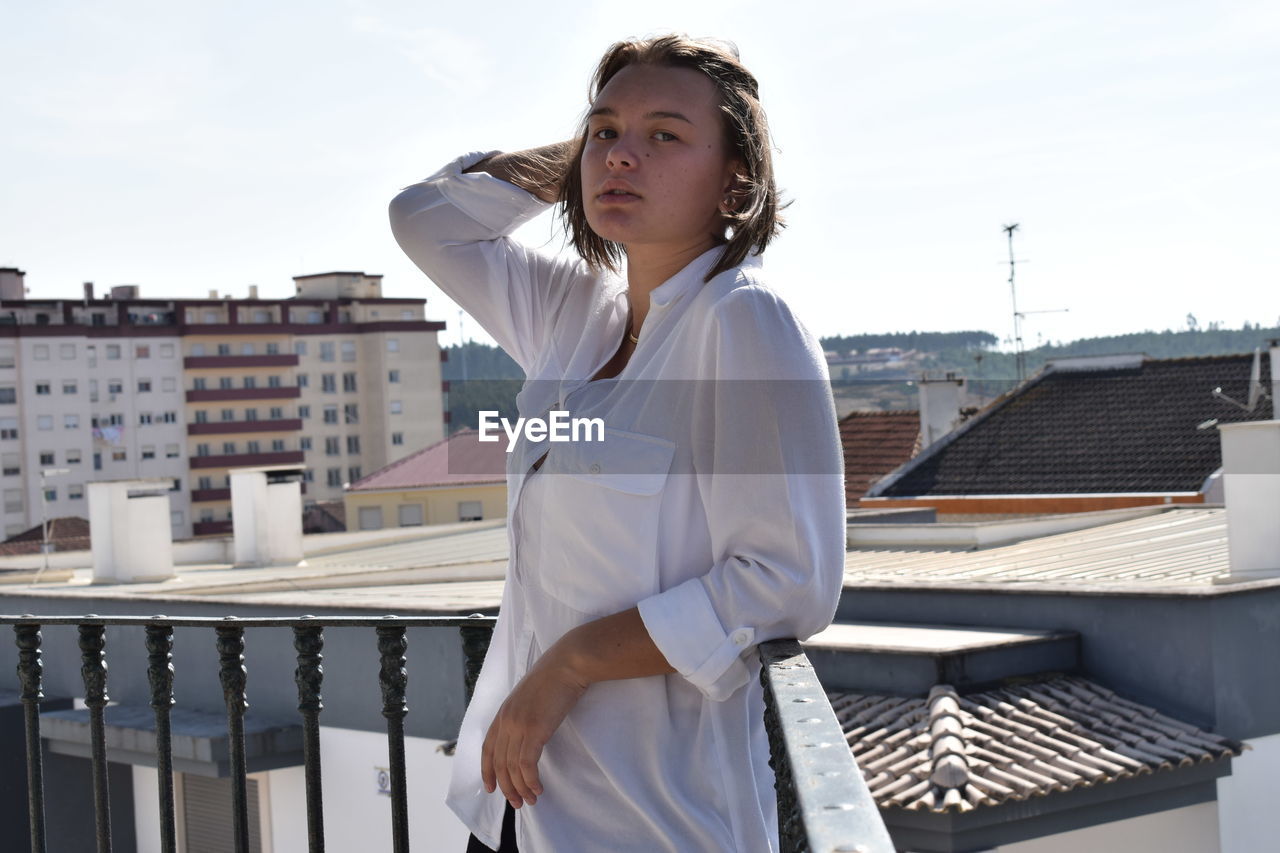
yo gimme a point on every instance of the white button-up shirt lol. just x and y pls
(715, 503)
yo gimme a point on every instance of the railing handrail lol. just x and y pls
(823, 802)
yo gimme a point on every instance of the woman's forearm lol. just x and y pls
(617, 646)
(539, 171)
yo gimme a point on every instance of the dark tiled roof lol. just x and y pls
(874, 444)
(953, 753)
(1094, 431)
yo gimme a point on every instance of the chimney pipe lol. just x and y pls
(940, 403)
(1251, 484)
(88, 291)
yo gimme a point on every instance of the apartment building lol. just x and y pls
(335, 378)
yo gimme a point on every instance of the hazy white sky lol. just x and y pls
(188, 146)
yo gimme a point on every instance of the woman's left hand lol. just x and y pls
(528, 718)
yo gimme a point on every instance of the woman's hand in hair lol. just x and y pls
(539, 171)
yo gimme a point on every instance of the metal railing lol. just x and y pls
(823, 803)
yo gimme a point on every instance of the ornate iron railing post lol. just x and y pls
(93, 655)
(394, 679)
(475, 645)
(29, 671)
(159, 641)
(308, 640)
(234, 676)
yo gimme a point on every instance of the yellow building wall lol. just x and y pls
(439, 505)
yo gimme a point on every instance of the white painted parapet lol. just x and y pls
(129, 531)
(1251, 486)
(266, 515)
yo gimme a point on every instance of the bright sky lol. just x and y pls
(189, 146)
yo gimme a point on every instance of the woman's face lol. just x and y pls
(654, 166)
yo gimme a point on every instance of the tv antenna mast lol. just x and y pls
(1020, 354)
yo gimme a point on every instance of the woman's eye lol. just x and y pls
(664, 136)
(604, 133)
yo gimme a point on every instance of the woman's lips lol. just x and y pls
(615, 198)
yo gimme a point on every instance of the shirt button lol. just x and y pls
(740, 637)
(595, 468)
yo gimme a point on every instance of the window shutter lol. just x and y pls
(206, 809)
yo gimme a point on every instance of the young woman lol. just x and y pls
(619, 707)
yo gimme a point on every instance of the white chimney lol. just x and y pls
(129, 532)
(1251, 485)
(1275, 378)
(266, 515)
(253, 291)
(940, 403)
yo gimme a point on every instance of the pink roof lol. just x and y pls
(460, 459)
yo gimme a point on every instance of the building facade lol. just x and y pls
(336, 378)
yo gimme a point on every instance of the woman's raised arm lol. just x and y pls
(539, 171)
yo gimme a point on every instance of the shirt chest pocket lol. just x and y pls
(599, 543)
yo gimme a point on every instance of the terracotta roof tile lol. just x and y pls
(457, 460)
(874, 444)
(953, 753)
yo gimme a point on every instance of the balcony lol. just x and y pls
(247, 460)
(207, 495)
(204, 362)
(213, 395)
(823, 803)
(224, 427)
(211, 528)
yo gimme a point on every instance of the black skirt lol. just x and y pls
(508, 840)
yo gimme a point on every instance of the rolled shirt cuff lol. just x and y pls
(685, 628)
(498, 205)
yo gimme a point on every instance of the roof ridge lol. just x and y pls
(414, 455)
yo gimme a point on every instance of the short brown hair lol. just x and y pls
(755, 217)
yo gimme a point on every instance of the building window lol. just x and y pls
(276, 413)
(303, 382)
(13, 500)
(67, 351)
(228, 414)
(168, 383)
(51, 493)
(177, 518)
(197, 349)
(353, 445)
(226, 383)
(406, 315)
(92, 352)
(253, 446)
(261, 317)
(71, 422)
(44, 422)
(351, 413)
(118, 455)
(144, 386)
(308, 476)
(315, 317)
(73, 456)
(393, 345)
(396, 408)
(7, 358)
(115, 386)
(397, 438)
(40, 352)
(393, 376)
(172, 451)
(169, 417)
(229, 448)
(69, 387)
(204, 483)
(370, 518)
(331, 414)
(199, 383)
(304, 412)
(142, 351)
(166, 350)
(144, 418)
(273, 349)
(326, 351)
(332, 446)
(353, 473)
(348, 350)
(11, 466)
(202, 450)
(304, 443)
(224, 349)
(333, 476)
(211, 317)
(250, 414)
(8, 429)
(348, 382)
(148, 451)
(329, 383)
(46, 457)
(299, 347)
(8, 394)
(206, 515)
(116, 419)
(277, 445)
(250, 382)
(246, 348)
(273, 382)
(470, 511)
(42, 388)
(113, 352)
(410, 515)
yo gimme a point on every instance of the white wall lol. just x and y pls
(1193, 829)
(1247, 810)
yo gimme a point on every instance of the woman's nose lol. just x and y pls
(620, 156)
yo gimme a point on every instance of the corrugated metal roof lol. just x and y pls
(953, 753)
(1178, 547)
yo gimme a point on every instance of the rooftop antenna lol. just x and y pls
(1020, 355)
(462, 345)
(1256, 391)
